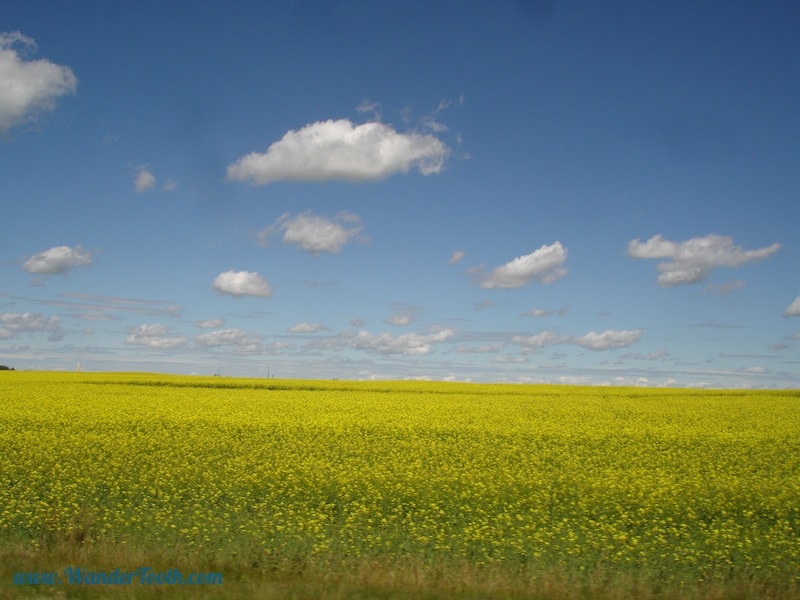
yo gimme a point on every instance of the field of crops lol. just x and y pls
(312, 489)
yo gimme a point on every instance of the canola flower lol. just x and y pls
(683, 485)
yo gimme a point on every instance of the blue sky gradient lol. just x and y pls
(524, 191)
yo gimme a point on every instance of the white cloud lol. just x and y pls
(57, 260)
(545, 338)
(609, 339)
(456, 257)
(29, 87)
(314, 233)
(144, 180)
(236, 338)
(543, 265)
(341, 150)
(370, 107)
(793, 310)
(12, 324)
(693, 260)
(242, 283)
(399, 319)
(305, 328)
(541, 312)
(606, 340)
(154, 335)
(210, 324)
(408, 343)
(755, 370)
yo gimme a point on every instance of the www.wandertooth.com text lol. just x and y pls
(142, 576)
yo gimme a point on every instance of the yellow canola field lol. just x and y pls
(269, 474)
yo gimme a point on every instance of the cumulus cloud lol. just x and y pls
(341, 150)
(12, 324)
(544, 265)
(313, 233)
(793, 310)
(305, 328)
(30, 87)
(408, 343)
(693, 260)
(236, 338)
(154, 335)
(144, 180)
(545, 338)
(210, 324)
(609, 339)
(57, 260)
(242, 283)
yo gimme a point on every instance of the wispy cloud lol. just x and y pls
(210, 324)
(155, 336)
(399, 319)
(242, 283)
(483, 304)
(30, 87)
(456, 257)
(693, 260)
(755, 370)
(315, 234)
(544, 338)
(541, 312)
(609, 339)
(236, 338)
(93, 307)
(13, 324)
(723, 289)
(544, 265)
(657, 355)
(341, 150)
(305, 328)
(57, 260)
(793, 310)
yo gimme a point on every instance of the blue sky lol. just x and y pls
(523, 191)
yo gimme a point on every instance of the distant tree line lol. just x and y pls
(5, 368)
